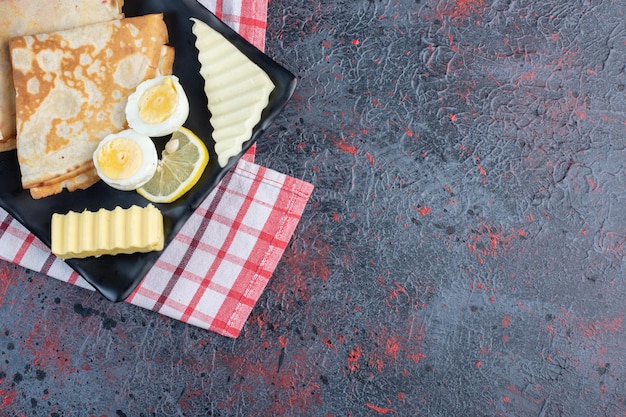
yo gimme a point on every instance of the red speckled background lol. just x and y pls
(462, 254)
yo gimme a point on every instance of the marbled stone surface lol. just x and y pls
(462, 253)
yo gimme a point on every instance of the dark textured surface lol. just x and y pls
(462, 254)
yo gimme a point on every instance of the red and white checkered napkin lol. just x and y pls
(247, 17)
(215, 269)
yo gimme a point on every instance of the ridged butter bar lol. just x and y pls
(107, 232)
(236, 88)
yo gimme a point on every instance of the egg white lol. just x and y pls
(146, 169)
(172, 123)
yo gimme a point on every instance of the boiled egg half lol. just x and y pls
(158, 106)
(126, 160)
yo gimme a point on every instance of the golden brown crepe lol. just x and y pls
(71, 90)
(25, 17)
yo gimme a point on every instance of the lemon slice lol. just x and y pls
(182, 163)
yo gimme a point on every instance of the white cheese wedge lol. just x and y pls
(237, 90)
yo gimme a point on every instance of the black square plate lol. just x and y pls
(115, 277)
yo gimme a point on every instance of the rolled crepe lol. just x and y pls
(71, 89)
(27, 17)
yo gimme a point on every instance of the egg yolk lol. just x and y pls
(120, 158)
(158, 102)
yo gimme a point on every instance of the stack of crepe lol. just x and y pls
(25, 17)
(71, 89)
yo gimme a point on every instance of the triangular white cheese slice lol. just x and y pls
(237, 90)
